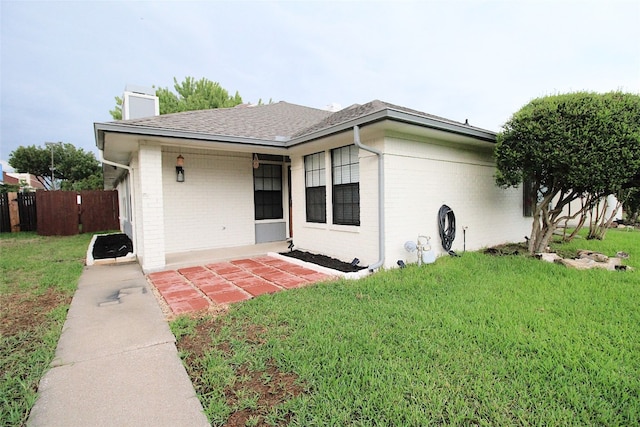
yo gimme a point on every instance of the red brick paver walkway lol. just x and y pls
(196, 288)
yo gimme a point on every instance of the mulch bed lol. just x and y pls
(507, 249)
(323, 260)
(112, 246)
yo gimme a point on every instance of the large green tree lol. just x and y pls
(567, 147)
(74, 169)
(190, 95)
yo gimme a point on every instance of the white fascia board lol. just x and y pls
(434, 123)
(401, 116)
(102, 128)
(348, 125)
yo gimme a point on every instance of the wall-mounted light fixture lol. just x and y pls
(256, 161)
(180, 168)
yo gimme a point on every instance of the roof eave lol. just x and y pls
(435, 123)
(102, 128)
(400, 116)
(376, 116)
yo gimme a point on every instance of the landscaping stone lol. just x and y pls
(586, 260)
(548, 257)
(596, 256)
(587, 263)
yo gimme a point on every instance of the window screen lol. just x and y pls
(267, 194)
(346, 185)
(315, 188)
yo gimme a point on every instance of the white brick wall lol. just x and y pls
(151, 224)
(137, 206)
(213, 207)
(338, 241)
(420, 176)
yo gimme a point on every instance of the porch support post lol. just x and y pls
(152, 203)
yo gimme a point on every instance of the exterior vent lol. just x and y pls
(139, 102)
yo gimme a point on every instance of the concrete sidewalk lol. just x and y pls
(116, 362)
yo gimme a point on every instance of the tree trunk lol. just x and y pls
(584, 202)
(602, 223)
(595, 218)
(542, 229)
(535, 233)
(542, 239)
(583, 219)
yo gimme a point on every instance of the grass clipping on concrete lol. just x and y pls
(39, 275)
(471, 340)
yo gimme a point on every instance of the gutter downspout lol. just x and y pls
(133, 223)
(381, 248)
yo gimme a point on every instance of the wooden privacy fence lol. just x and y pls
(99, 211)
(18, 212)
(59, 213)
(65, 213)
(5, 220)
(27, 211)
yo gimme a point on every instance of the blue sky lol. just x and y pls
(62, 62)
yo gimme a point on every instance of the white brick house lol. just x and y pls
(359, 182)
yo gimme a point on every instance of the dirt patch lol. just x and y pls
(112, 246)
(272, 388)
(323, 260)
(24, 312)
(268, 387)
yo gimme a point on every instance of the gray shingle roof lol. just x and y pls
(268, 122)
(283, 121)
(356, 110)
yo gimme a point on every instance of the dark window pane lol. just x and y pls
(267, 196)
(346, 204)
(346, 188)
(315, 189)
(316, 204)
(268, 204)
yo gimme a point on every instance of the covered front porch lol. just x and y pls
(180, 202)
(178, 260)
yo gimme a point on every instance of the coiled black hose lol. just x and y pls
(447, 233)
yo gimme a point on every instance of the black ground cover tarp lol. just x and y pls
(324, 261)
(112, 246)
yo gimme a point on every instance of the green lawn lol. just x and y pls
(471, 340)
(38, 277)
(474, 340)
